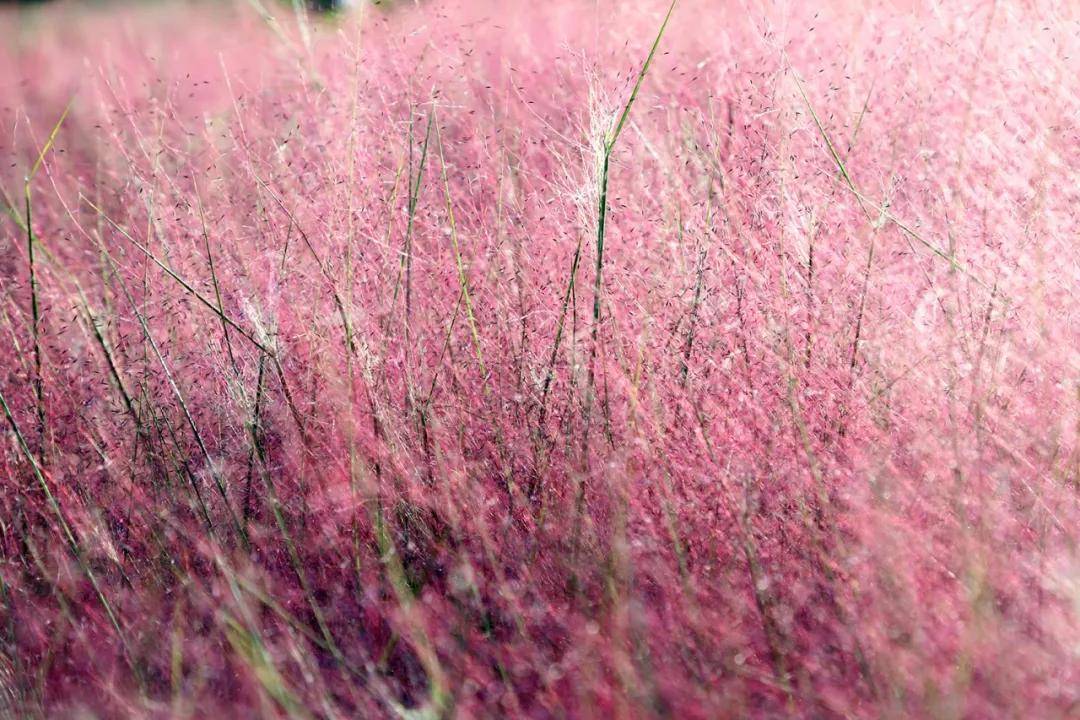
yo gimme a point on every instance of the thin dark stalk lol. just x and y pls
(601, 215)
(35, 330)
(463, 279)
(68, 535)
(248, 335)
(691, 332)
(549, 376)
(255, 428)
(413, 201)
(203, 449)
(601, 228)
(217, 287)
(35, 308)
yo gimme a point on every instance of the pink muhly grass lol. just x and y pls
(480, 359)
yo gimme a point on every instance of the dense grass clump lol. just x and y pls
(548, 360)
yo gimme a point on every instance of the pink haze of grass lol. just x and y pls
(319, 419)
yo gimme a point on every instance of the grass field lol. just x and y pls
(546, 360)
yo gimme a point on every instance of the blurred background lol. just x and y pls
(317, 5)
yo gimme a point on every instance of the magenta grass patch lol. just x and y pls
(481, 359)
